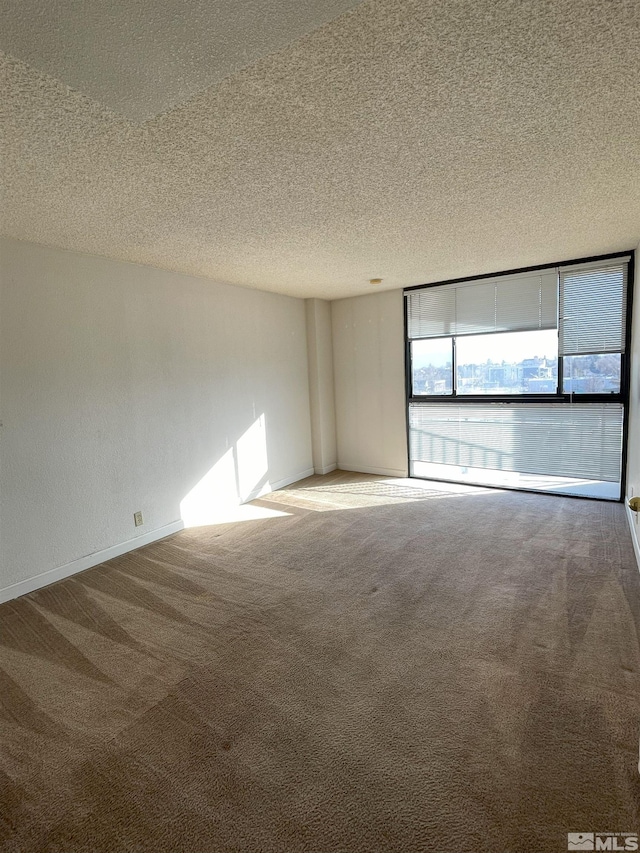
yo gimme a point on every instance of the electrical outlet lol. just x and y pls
(137, 519)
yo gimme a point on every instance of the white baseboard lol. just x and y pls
(52, 575)
(278, 484)
(326, 469)
(631, 516)
(365, 469)
(57, 574)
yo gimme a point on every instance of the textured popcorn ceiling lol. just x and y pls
(411, 141)
(141, 58)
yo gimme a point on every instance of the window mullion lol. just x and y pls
(454, 367)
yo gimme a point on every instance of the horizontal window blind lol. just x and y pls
(592, 309)
(579, 440)
(504, 304)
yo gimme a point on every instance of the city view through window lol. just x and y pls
(508, 363)
(520, 380)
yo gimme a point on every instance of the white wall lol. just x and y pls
(368, 355)
(321, 385)
(127, 388)
(633, 441)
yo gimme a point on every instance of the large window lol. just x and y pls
(592, 374)
(508, 363)
(499, 363)
(432, 366)
(517, 353)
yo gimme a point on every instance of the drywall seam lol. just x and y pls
(52, 575)
(634, 533)
(365, 469)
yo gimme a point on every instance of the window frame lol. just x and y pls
(550, 396)
(560, 397)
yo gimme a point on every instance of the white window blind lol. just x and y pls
(503, 304)
(592, 310)
(579, 440)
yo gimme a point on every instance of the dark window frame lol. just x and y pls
(454, 368)
(463, 399)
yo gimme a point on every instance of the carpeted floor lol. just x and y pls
(388, 667)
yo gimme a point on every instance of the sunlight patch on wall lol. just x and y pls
(252, 462)
(239, 475)
(215, 492)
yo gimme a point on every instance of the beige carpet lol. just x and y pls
(386, 668)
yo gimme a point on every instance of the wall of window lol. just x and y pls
(520, 379)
